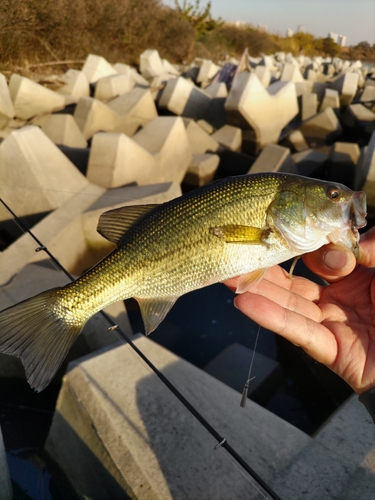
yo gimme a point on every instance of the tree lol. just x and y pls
(200, 19)
(329, 47)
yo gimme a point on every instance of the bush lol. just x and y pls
(232, 40)
(39, 30)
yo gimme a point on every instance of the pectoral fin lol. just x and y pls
(246, 281)
(154, 311)
(241, 234)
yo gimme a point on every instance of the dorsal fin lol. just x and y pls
(113, 224)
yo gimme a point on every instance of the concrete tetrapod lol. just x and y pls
(267, 111)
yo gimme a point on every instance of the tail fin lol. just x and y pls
(38, 335)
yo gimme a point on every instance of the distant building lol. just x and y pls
(289, 32)
(342, 40)
(262, 27)
(339, 39)
(301, 29)
(334, 36)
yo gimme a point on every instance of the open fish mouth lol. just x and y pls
(357, 216)
(358, 211)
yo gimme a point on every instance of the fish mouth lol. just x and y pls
(358, 210)
(357, 217)
(354, 217)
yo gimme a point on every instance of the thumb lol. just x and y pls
(331, 262)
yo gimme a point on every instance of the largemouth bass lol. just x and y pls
(238, 226)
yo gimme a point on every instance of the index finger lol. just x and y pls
(303, 331)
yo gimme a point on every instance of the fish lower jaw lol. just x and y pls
(348, 238)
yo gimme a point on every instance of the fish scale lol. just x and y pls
(238, 226)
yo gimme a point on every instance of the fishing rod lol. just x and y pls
(221, 441)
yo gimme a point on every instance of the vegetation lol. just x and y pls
(33, 31)
(200, 20)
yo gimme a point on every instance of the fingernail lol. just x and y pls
(335, 259)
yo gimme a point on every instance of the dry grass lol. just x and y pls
(35, 31)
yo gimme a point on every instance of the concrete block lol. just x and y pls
(166, 138)
(347, 85)
(230, 137)
(344, 157)
(63, 129)
(368, 94)
(181, 97)
(201, 169)
(150, 64)
(116, 160)
(316, 76)
(308, 105)
(264, 75)
(325, 125)
(109, 87)
(269, 62)
(207, 71)
(76, 84)
(117, 435)
(207, 127)
(217, 89)
(331, 99)
(136, 109)
(357, 115)
(36, 176)
(274, 158)
(125, 69)
(199, 140)
(158, 83)
(30, 99)
(318, 88)
(96, 67)
(170, 68)
(93, 116)
(311, 163)
(291, 73)
(325, 467)
(295, 141)
(6, 105)
(267, 111)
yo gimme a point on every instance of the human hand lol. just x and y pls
(334, 324)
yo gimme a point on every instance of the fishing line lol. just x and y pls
(249, 378)
(220, 440)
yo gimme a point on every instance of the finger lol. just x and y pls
(366, 255)
(278, 276)
(298, 298)
(313, 337)
(331, 262)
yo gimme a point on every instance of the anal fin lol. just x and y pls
(154, 310)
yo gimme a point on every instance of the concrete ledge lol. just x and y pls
(326, 467)
(112, 411)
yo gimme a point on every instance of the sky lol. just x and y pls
(353, 18)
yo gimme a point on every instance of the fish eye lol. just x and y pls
(334, 193)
